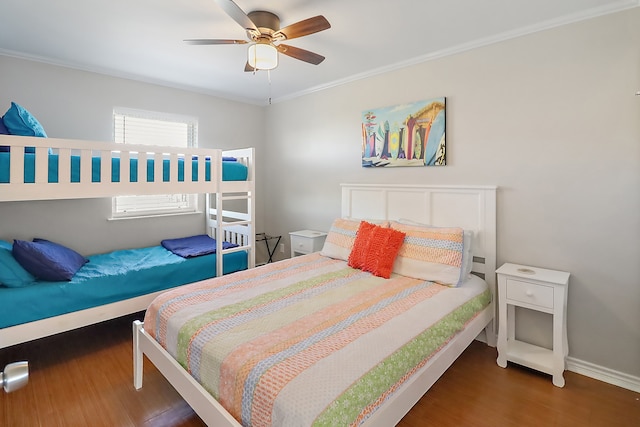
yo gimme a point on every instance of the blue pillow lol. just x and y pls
(3, 131)
(21, 122)
(47, 260)
(12, 275)
(3, 128)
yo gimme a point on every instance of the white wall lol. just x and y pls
(79, 105)
(551, 118)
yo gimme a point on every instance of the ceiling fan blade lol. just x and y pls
(238, 15)
(302, 28)
(301, 54)
(214, 41)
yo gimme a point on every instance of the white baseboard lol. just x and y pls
(603, 374)
(594, 371)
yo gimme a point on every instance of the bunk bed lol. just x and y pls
(226, 344)
(33, 168)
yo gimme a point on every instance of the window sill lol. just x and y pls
(124, 218)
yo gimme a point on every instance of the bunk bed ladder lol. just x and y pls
(231, 226)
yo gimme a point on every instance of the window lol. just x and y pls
(152, 128)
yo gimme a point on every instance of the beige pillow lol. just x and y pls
(341, 236)
(431, 253)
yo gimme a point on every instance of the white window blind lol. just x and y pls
(153, 128)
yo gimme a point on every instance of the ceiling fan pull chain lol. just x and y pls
(255, 59)
(269, 77)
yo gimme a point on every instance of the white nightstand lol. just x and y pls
(306, 242)
(535, 289)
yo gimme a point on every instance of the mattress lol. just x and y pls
(309, 340)
(231, 170)
(108, 278)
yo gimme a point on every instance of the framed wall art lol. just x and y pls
(405, 135)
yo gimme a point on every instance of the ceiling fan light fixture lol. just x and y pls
(262, 56)
(263, 30)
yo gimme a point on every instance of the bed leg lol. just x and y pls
(137, 355)
(492, 339)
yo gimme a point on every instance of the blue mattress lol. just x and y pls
(231, 170)
(108, 278)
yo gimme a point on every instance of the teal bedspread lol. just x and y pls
(231, 171)
(108, 278)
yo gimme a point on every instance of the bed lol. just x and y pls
(108, 278)
(264, 346)
(34, 168)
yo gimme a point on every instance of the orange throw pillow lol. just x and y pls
(375, 249)
(360, 245)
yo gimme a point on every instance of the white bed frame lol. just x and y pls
(236, 227)
(472, 207)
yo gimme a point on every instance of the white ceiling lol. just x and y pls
(143, 39)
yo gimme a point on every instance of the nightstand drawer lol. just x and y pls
(306, 242)
(530, 293)
(301, 244)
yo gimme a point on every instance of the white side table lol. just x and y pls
(536, 289)
(306, 241)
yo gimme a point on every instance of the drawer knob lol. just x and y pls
(529, 293)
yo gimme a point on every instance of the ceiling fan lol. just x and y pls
(263, 31)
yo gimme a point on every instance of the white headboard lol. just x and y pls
(469, 207)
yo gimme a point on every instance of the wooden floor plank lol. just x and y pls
(84, 377)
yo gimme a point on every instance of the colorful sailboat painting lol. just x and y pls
(405, 135)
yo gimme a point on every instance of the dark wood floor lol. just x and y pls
(84, 378)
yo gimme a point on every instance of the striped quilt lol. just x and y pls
(308, 341)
